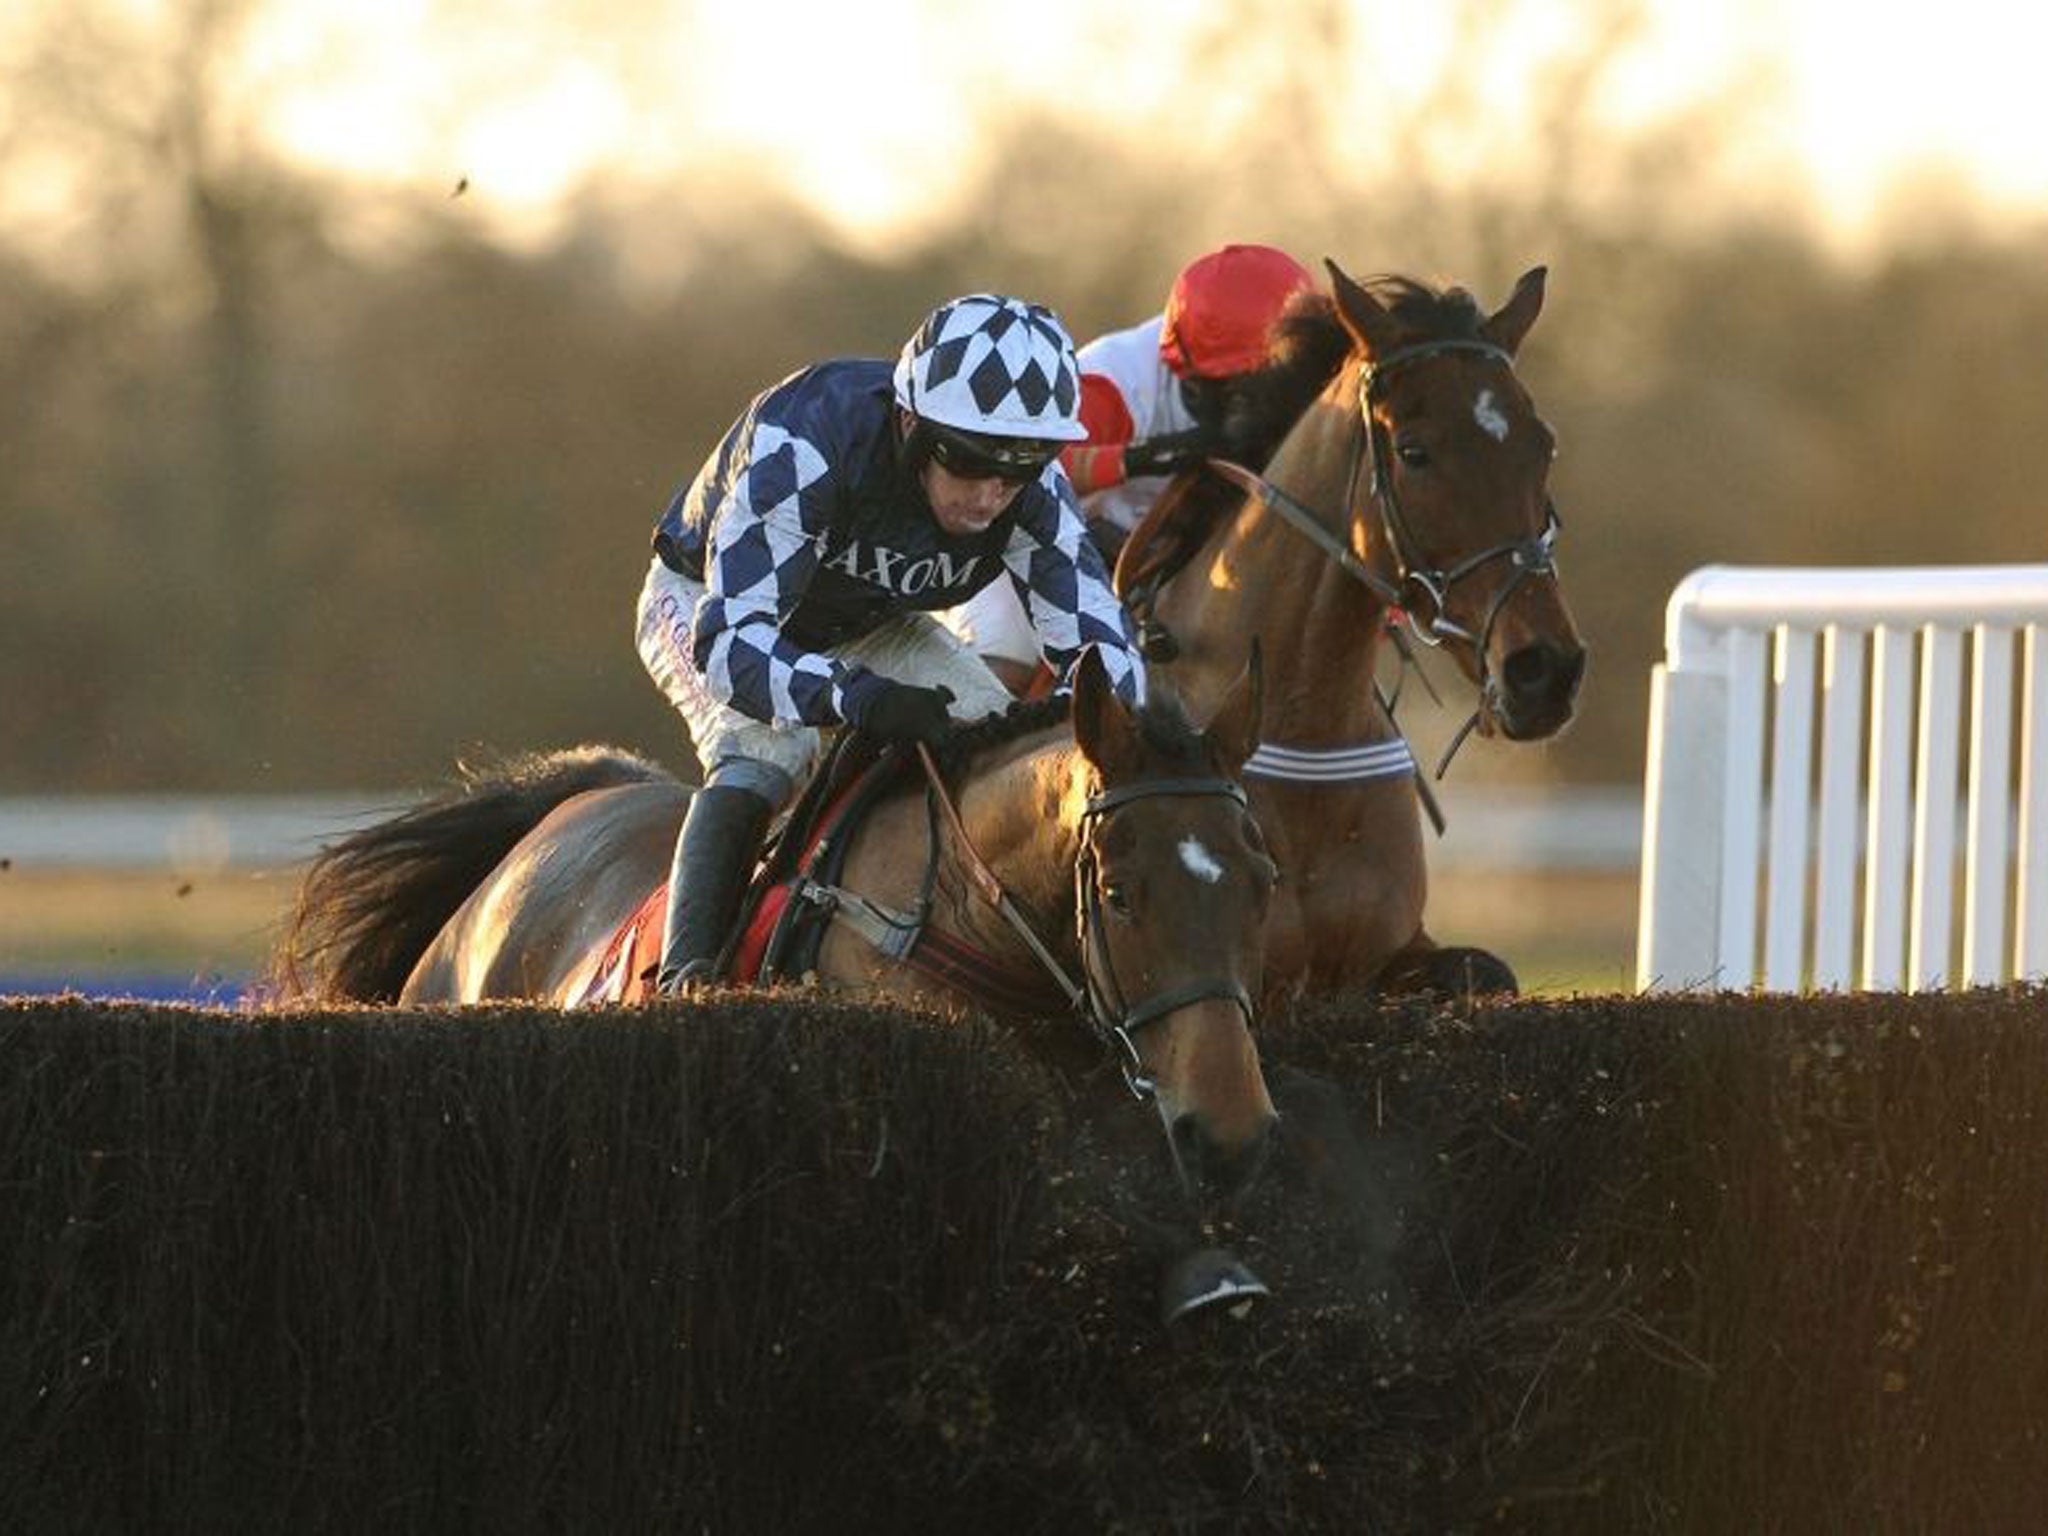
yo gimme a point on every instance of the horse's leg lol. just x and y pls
(1423, 967)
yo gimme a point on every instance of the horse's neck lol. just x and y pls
(1022, 815)
(1319, 627)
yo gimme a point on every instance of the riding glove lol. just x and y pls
(902, 712)
(1168, 454)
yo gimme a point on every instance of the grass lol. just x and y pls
(90, 922)
(1567, 933)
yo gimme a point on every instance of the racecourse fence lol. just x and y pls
(1698, 1263)
(1766, 862)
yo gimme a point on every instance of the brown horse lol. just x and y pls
(1415, 481)
(1125, 837)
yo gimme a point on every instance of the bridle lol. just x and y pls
(1413, 575)
(1531, 557)
(1098, 999)
(1114, 1018)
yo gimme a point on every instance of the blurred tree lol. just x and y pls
(285, 513)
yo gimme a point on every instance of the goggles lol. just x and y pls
(973, 456)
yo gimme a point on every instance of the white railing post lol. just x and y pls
(1791, 764)
(1934, 811)
(1841, 751)
(1885, 862)
(1990, 806)
(1680, 900)
(2030, 903)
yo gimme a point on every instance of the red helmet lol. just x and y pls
(1221, 307)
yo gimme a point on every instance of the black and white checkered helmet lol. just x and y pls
(995, 366)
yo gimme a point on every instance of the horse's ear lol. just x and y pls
(1371, 327)
(1234, 729)
(1102, 726)
(1507, 325)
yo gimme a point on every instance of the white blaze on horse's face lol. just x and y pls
(1199, 861)
(1488, 415)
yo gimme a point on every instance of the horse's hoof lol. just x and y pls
(1473, 973)
(1454, 972)
(1209, 1280)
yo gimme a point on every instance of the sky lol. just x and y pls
(871, 110)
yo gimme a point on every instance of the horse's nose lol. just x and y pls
(1216, 1169)
(1538, 684)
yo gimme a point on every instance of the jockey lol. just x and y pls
(1156, 399)
(794, 577)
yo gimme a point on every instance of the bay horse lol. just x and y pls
(1413, 487)
(1121, 841)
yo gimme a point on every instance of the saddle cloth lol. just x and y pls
(627, 965)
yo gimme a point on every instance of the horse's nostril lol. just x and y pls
(1212, 1167)
(1527, 671)
(1543, 671)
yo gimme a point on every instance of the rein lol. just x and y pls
(1531, 557)
(1098, 999)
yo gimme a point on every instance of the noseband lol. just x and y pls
(1098, 999)
(1113, 1018)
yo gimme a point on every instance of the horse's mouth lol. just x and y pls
(1499, 716)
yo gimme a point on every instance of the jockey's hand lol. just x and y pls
(904, 712)
(1168, 454)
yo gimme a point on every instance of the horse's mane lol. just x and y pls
(1438, 313)
(1162, 722)
(964, 743)
(1309, 343)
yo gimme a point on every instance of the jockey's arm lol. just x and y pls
(1097, 463)
(738, 640)
(1066, 590)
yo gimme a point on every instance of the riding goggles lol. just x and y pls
(976, 456)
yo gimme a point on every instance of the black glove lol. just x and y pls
(903, 712)
(1168, 454)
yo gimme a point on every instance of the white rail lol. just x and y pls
(1766, 863)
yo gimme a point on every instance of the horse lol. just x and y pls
(1116, 847)
(1413, 486)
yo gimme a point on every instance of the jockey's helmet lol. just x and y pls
(1222, 306)
(993, 385)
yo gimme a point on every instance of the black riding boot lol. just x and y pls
(715, 855)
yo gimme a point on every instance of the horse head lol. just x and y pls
(1173, 883)
(1454, 492)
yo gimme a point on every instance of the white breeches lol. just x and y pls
(771, 758)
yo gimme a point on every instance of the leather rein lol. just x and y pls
(1098, 998)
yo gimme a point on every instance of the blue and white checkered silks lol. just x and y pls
(765, 549)
(995, 365)
(765, 557)
(1070, 613)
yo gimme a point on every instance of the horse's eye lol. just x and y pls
(1117, 898)
(1413, 454)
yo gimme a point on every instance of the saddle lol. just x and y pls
(774, 937)
(795, 896)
